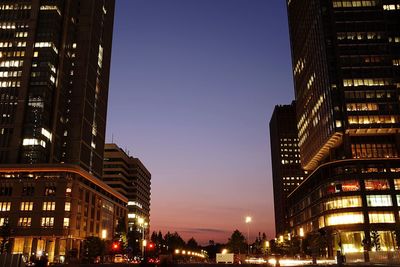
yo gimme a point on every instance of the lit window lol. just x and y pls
(46, 133)
(33, 142)
(343, 202)
(49, 205)
(3, 221)
(381, 217)
(321, 222)
(24, 222)
(26, 206)
(50, 8)
(376, 185)
(344, 218)
(66, 222)
(47, 222)
(67, 206)
(345, 186)
(379, 201)
(5, 206)
(397, 184)
(50, 191)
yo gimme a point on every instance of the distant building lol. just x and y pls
(346, 60)
(131, 178)
(54, 74)
(286, 165)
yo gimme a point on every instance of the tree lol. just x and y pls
(154, 237)
(237, 242)
(396, 234)
(93, 247)
(286, 245)
(259, 245)
(133, 238)
(5, 233)
(264, 244)
(192, 244)
(120, 233)
(376, 240)
(174, 241)
(213, 248)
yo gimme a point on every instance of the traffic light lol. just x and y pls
(151, 246)
(115, 246)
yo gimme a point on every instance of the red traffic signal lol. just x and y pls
(151, 246)
(115, 245)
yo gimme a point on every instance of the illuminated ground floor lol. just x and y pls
(56, 249)
(349, 205)
(352, 241)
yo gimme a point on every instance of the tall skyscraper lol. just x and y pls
(131, 178)
(285, 156)
(345, 63)
(54, 72)
(345, 56)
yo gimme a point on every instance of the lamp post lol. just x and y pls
(301, 234)
(142, 223)
(248, 221)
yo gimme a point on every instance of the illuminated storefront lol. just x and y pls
(347, 201)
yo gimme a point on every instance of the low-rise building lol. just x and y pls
(51, 209)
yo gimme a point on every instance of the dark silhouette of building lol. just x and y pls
(285, 156)
(54, 73)
(346, 71)
(131, 178)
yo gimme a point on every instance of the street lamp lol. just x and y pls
(248, 221)
(142, 223)
(301, 233)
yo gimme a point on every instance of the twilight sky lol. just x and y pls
(193, 85)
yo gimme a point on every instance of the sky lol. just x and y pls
(192, 89)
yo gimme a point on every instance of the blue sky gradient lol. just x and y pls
(193, 85)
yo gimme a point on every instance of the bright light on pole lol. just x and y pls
(248, 221)
(301, 232)
(104, 233)
(143, 224)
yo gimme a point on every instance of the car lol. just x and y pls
(154, 260)
(119, 258)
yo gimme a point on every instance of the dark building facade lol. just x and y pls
(285, 156)
(54, 72)
(131, 178)
(346, 72)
